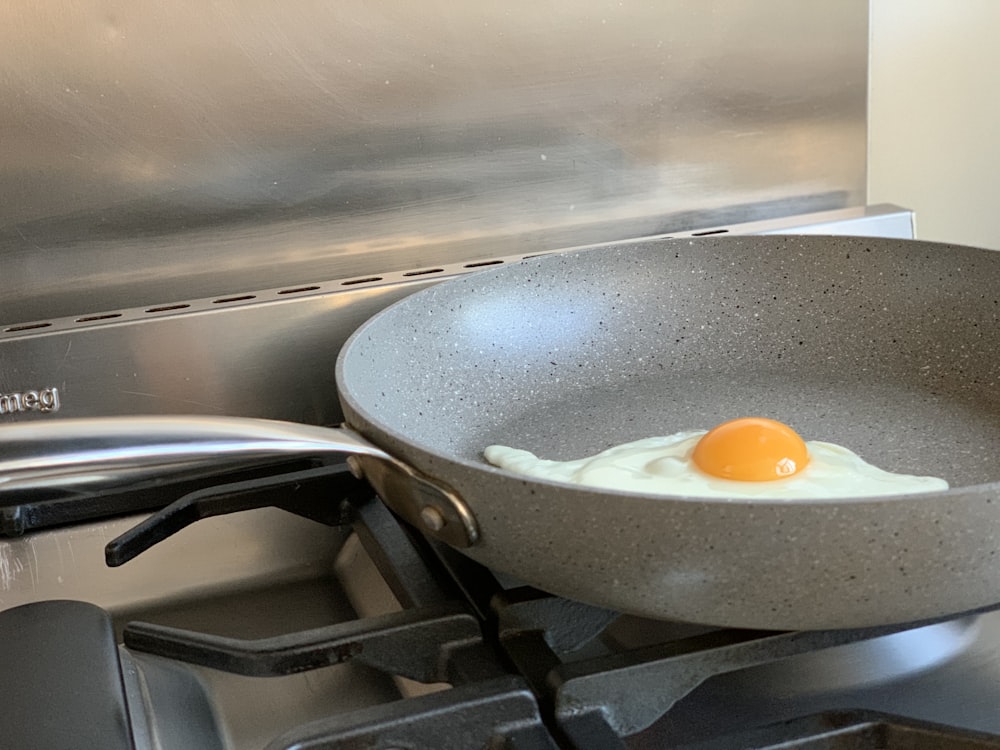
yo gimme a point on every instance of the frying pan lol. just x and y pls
(888, 347)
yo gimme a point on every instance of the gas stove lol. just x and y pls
(298, 612)
(401, 642)
(203, 200)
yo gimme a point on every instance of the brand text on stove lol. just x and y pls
(44, 400)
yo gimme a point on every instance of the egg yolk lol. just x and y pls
(752, 449)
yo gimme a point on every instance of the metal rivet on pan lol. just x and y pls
(432, 518)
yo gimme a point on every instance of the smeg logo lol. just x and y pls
(43, 400)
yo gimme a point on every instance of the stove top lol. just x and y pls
(299, 613)
(403, 642)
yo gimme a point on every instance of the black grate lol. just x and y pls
(527, 669)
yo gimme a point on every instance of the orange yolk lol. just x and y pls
(752, 449)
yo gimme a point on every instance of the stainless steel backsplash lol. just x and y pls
(159, 151)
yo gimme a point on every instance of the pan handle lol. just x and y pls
(112, 452)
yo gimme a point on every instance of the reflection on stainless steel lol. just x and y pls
(265, 354)
(245, 712)
(158, 152)
(873, 662)
(233, 553)
(948, 674)
(60, 454)
(864, 663)
(250, 575)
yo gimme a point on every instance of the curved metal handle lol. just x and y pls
(116, 450)
(112, 452)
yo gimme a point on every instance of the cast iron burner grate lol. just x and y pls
(527, 670)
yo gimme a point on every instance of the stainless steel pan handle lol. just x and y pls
(120, 448)
(119, 451)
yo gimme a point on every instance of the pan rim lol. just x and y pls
(370, 424)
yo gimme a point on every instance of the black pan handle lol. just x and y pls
(111, 452)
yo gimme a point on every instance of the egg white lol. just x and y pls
(663, 466)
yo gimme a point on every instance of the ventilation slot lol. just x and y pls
(165, 308)
(27, 327)
(483, 263)
(710, 231)
(361, 281)
(92, 318)
(299, 290)
(233, 299)
(424, 273)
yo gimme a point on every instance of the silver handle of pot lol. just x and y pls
(111, 452)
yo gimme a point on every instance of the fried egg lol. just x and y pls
(744, 458)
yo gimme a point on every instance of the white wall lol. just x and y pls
(934, 115)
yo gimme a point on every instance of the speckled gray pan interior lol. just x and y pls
(888, 347)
